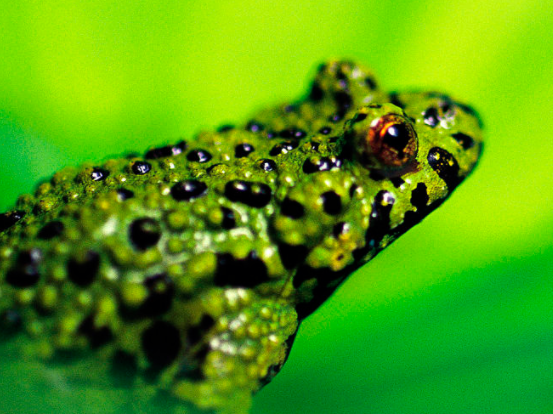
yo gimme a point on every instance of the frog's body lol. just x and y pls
(193, 265)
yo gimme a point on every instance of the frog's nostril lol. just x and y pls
(8, 220)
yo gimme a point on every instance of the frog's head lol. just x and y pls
(409, 156)
(399, 161)
(420, 137)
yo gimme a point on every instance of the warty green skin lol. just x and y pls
(196, 293)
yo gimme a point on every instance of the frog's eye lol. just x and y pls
(390, 142)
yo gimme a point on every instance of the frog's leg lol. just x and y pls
(242, 342)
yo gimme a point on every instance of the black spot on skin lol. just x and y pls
(255, 126)
(340, 74)
(445, 165)
(83, 271)
(352, 190)
(225, 128)
(332, 203)
(144, 233)
(315, 145)
(317, 93)
(189, 189)
(196, 333)
(8, 220)
(290, 108)
(96, 335)
(25, 272)
(447, 107)
(394, 99)
(271, 134)
(229, 218)
(379, 222)
(340, 228)
(292, 256)
(51, 230)
(463, 139)
(179, 147)
(199, 155)
(292, 208)
(294, 133)
(167, 151)
(343, 101)
(397, 181)
(376, 176)
(431, 117)
(252, 194)
(161, 291)
(124, 194)
(359, 117)
(325, 130)
(161, 343)
(283, 148)
(317, 164)
(243, 150)
(99, 174)
(419, 197)
(247, 273)
(160, 152)
(370, 82)
(267, 165)
(141, 167)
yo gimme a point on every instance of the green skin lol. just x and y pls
(196, 291)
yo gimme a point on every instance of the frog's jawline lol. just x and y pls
(306, 309)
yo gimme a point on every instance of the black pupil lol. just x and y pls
(397, 136)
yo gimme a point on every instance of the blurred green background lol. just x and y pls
(457, 315)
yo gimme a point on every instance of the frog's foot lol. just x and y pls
(243, 341)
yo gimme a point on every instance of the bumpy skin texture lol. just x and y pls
(190, 268)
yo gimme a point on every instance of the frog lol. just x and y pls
(183, 273)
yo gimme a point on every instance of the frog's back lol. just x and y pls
(189, 266)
